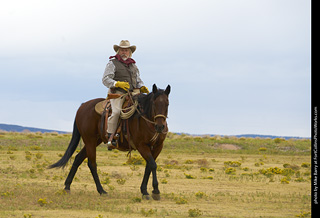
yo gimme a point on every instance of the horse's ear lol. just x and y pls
(154, 88)
(167, 91)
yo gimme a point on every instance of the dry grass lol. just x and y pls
(194, 184)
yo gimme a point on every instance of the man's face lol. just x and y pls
(124, 53)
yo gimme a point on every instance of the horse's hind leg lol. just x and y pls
(93, 169)
(91, 152)
(77, 162)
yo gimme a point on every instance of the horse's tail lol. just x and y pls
(71, 148)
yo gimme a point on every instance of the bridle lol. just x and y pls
(155, 136)
(154, 118)
(160, 115)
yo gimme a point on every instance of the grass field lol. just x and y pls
(198, 176)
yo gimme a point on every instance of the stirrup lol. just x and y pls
(111, 144)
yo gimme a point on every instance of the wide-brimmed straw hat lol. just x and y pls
(124, 44)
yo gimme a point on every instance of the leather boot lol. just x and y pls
(112, 144)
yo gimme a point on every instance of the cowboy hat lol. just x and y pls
(124, 44)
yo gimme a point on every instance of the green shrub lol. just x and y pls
(200, 194)
(39, 155)
(271, 170)
(284, 180)
(189, 176)
(262, 149)
(203, 169)
(164, 181)
(189, 162)
(230, 171)
(148, 213)
(278, 140)
(6, 194)
(288, 172)
(303, 214)
(42, 202)
(194, 212)
(305, 165)
(106, 180)
(181, 200)
(232, 163)
(136, 160)
(136, 200)
(300, 179)
(121, 181)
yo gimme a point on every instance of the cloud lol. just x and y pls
(235, 66)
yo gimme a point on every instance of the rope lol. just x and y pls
(154, 138)
(131, 110)
(126, 113)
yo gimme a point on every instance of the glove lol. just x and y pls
(144, 89)
(122, 85)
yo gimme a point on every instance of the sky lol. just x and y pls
(234, 66)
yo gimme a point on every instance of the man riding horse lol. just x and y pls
(121, 74)
(145, 132)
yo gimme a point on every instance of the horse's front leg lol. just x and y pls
(155, 184)
(151, 167)
(144, 184)
(150, 155)
(155, 153)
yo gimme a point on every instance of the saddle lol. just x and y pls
(103, 108)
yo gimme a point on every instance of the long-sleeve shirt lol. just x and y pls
(109, 74)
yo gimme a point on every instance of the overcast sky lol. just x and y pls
(234, 66)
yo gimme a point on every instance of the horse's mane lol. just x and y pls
(146, 101)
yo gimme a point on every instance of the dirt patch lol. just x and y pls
(228, 147)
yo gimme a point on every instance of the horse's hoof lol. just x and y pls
(146, 197)
(67, 191)
(156, 196)
(103, 193)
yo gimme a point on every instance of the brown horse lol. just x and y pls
(149, 121)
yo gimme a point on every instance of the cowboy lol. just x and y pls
(121, 74)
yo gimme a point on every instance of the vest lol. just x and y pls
(125, 73)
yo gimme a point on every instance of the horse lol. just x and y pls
(147, 128)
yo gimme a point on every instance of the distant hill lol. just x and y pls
(270, 136)
(16, 128)
(252, 136)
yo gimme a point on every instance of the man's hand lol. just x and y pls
(144, 89)
(122, 85)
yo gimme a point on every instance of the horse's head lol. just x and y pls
(160, 107)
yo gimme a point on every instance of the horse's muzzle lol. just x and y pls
(159, 128)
